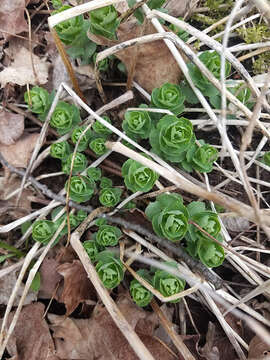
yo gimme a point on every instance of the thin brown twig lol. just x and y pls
(30, 46)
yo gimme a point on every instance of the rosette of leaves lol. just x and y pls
(101, 129)
(200, 158)
(76, 133)
(81, 188)
(104, 22)
(100, 221)
(172, 137)
(91, 248)
(110, 196)
(210, 253)
(60, 150)
(38, 101)
(137, 124)
(105, 182)
(168, 284)
(211, 59)
(169, 216)
(98, 146)
(107, 235)
(110, 269)
(140, 295)
(207, 220)
(64, 117)
(43, 231)
(138, 177)
(69, 29)
(169, 97)
(79, 163)
(94, 173)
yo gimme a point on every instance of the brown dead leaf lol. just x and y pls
(155, 65)
(77, 286)
(12, 17)
(20, 72)
(7, 283)
(31, 338)
(99, 337)
(236, 223)
(11, 127)
(7, 186)
(49, 278)
(258, 349)
(19, 153)
(180, 8)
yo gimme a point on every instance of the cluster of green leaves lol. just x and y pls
(173, 221)
(265, 158)
(138, 177)
(43, 230)
(81, 188)
(182, 34)
(39, 101)
(170, 136)
(255, 33)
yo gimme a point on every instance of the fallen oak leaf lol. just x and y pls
(20, 72)
(12, 17)
(99, 337)
(77, 286)
(31, 338)
(19, 153)
(11, 127)
(150, 71)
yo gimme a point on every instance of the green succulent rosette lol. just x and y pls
(105, 183)
(76, 133)
(140, 295)
(107, 235)
(101, 129)
(60, 150)
(79, 164)
(138, 177)
(110, 196)
(169, 97)
(200, 158)
(64, 117)
(137, 124)
(207, 220)
(69, 29)
(38, 100)
(168, 284)
(81, 188)
(98, 146)
(210, 253)
(100, 222)
(110, 269)
(104, 22)
(43, 231)
(94, 173)
(211, 59)
(91, 248)
(169, 216)
(172, 137)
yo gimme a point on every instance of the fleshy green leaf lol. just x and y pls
(64, 117)
(81, 188)
(140, 295)
(109, 269)
(98, 146)
(43, 231)
(94, 173)
(101, 129)
(90, 247)
(110, 196)
(137, 124)
(108, 235)
(169, 97)
(104, 22)
(60, 150)
(76, 133)
(79, 163)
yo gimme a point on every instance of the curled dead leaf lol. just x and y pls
(77, 286)
(258, 349)
(155, 65)
(11, 127)
(19, 153)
